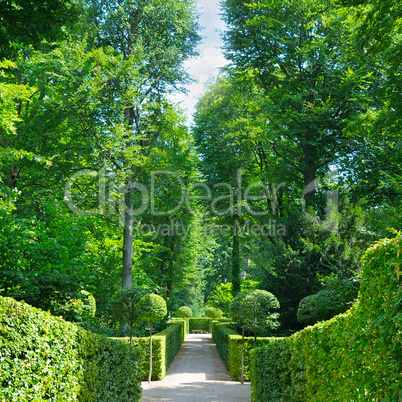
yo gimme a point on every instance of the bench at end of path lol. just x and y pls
(198, 331)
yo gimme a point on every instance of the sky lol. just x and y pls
(211, 57)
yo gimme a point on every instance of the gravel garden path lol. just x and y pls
(197, 374)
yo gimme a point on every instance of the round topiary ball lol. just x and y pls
(152, 307)
(320, 307)
(213, 313)
(184, 312)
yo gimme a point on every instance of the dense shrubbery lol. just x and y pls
(221, 336)
(354, 356)
(319, 307)
(270, 374)
(195, 323)
(44, 357)
(80, 307)
(335, 299)
(174, 340)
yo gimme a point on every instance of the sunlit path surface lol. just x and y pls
(197, 374)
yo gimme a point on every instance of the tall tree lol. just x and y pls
(237, 161)
(165, 33)
(371, 172)
(314, 82)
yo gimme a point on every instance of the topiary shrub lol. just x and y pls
(213, 313)
(254, 311)
(165, 346)
(270, 373)
(319, 307)
(184, 312)
(338, 296)
(151, 308)
(230, 344)
(184, 323)
(201, 323)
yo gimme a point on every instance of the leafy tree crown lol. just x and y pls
(152, 307)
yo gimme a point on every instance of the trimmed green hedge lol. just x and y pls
(222, 336)
(174, 340)
(43, 357)
(354, 356)
(270, 374)
(165, 345)
(203, 324)
(228, 343)
(216, 322)
(175, 320)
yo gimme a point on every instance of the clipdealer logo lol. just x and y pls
(112, 199)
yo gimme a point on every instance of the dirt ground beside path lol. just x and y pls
(197, 374)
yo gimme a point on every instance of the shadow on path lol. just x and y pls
(197, 374)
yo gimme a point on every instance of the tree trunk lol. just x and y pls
(131, 334)
(228, 273)
(268, 197)
(280, 203)
(255, 338)
(309, 173)
(169, 289)
(127, 249)
(235, 262)
(150, 353)
(128, 216)
(13, 175)
(242, 356)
